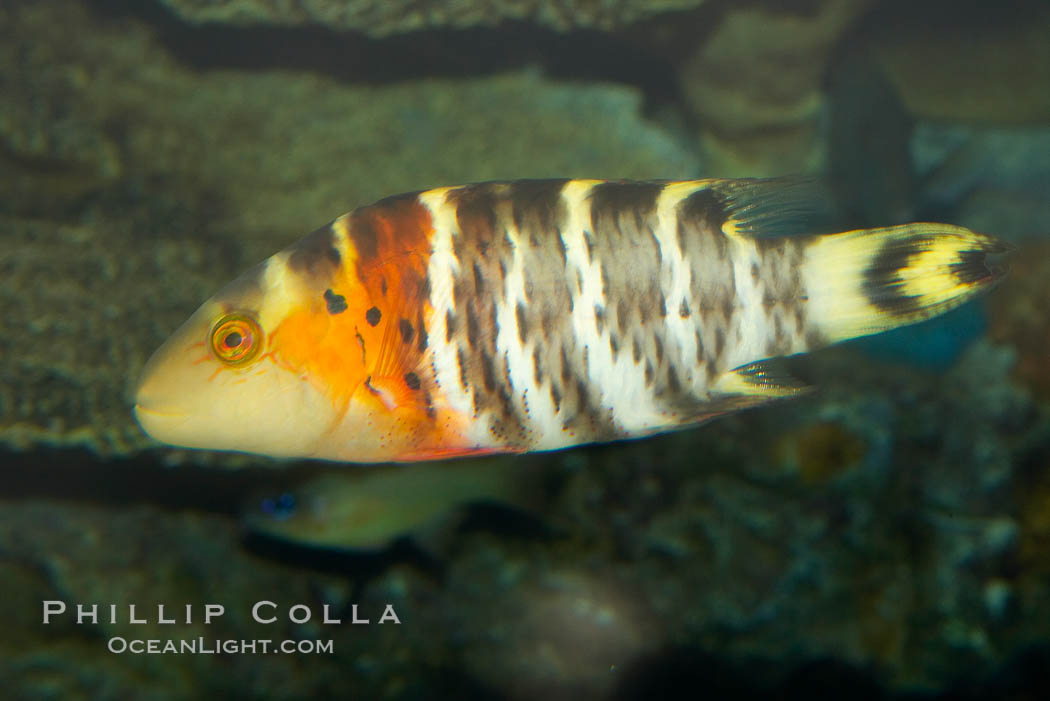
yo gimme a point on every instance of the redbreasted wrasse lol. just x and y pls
(537, 315)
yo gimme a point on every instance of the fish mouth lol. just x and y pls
(159, 424)
(140, 409)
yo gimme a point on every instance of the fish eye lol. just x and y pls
(235, 339)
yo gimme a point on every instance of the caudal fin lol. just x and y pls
(866, 281)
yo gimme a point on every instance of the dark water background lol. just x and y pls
(886, 537)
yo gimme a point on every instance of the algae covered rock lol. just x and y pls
(986, 63)
(755, 84)
(1020, 316)
(192, 177)
(383, 17)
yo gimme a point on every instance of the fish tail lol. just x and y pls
(871, 280)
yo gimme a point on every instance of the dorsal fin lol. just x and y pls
(775, 207)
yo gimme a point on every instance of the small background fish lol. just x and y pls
(368, 509)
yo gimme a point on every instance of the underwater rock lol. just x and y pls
(986, 62)
(756, 78)
(564, 633)
(755, 84)
(821, 451)
(52, 152)
(216, 170)
(1019, 316)
(384, 17)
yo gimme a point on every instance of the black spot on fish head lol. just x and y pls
(373, 316)
(336, 304)
(412, 380)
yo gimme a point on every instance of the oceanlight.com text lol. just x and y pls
(210, 646)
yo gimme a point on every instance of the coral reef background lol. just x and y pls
(887, 536)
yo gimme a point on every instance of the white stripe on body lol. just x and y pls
(676, 277)
(746, 340)
(617, 381)
(542, 417)
(442, 269)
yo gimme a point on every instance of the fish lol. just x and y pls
(535, 315)
(367, 510)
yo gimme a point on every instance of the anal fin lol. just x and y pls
(763, 380)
